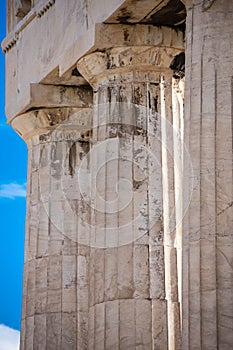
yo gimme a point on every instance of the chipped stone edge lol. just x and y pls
(38, 11)
(207, 4)
(42, 121)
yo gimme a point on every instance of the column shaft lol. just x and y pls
(56, 270)
(208, 279)
(135, 282)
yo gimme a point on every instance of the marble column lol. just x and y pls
(134, 299)
(207, 229)
(55, 291)
(102, 245)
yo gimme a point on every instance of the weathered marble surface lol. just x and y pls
(100, 274)
(207, 231)
(167, 282)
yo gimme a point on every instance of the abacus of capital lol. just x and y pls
(128, 241)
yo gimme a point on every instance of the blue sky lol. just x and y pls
(13, 160)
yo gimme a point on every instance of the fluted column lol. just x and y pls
(55, 292)
(134, 298)
(207, 230)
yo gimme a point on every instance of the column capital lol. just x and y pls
(50, 106)
(40, 124)
(147, 50)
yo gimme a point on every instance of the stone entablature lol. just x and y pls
(41, 60)
(24, 12)
(56, 59)
(105, 36)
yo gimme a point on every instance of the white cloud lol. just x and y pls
(12, 190)
(9, 338)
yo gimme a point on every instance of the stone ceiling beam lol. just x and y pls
(132, 11)
(51, 96)
(109, 35)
